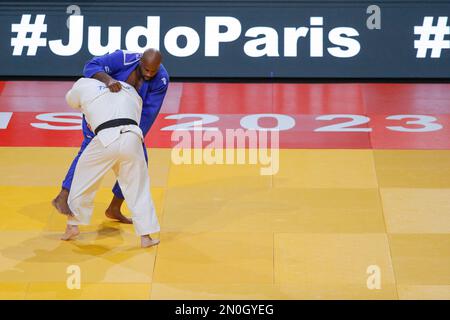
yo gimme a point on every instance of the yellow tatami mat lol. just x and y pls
(317, 229)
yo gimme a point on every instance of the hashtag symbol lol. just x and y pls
(23, 29)
(426, 30)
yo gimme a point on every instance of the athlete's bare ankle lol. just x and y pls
(64, 193)
(113, 208)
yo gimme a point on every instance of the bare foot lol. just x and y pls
(71, 232)
(147, 241)
(115, 214)
(60, 203)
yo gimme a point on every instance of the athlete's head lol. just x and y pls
(149, 63)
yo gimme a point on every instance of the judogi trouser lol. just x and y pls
(124, 155)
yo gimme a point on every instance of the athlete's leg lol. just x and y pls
(114, 208)
(60, 202)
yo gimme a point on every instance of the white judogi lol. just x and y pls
(118, 148)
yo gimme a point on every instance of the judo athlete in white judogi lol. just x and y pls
(118, 145)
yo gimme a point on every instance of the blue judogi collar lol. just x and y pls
(119, 65)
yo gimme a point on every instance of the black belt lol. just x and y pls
(114, 123)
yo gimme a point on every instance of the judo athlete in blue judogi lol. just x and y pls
(148, 76)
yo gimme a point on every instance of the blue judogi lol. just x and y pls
(119, 66)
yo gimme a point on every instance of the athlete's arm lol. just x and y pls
(99, 67)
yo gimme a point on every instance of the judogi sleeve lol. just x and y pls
(73, 97)
(152, 104)
(109, 63)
